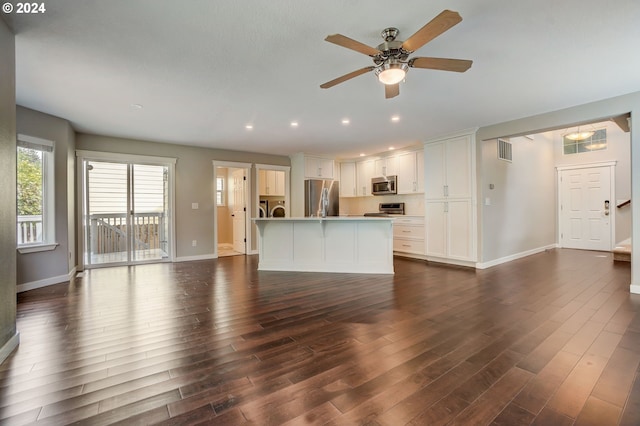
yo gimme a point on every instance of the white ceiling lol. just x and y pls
(203, 69)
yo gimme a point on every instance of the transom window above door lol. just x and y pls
(573, 143)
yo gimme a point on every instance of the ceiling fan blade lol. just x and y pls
(346, 77)
(352, 44)
(444, 64)
(391, 90)
(441, 23)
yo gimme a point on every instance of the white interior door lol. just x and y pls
(238, 208)
(586, 208)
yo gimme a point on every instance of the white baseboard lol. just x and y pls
(46, 282)
(489, 264)
(634, 289)
(8, 347)
(199, 257)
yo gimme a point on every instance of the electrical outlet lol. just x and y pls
(194, 243)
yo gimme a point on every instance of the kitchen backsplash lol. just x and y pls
(357, 206)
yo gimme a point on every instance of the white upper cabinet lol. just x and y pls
(318, 168)
(448, 165)
(410, 172)
(386, 166)
(364, 172)
(348, 186)
(271, 182)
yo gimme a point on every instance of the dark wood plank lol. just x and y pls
(553, 338)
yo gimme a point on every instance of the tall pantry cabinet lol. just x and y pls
(450, 201)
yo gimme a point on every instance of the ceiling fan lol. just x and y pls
(391, 58)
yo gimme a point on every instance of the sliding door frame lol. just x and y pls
(82, 156)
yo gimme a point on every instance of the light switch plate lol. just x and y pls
(194, 206)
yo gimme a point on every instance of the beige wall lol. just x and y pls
(194, 183)
(7, 190)
(54, 265)
(522, 210)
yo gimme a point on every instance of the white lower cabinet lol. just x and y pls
(408, 235)
(449, 231)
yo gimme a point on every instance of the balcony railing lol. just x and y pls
(109, 232)
(29, 229)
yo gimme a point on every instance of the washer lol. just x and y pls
(263, 208)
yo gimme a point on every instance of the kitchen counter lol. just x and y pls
(326, 244)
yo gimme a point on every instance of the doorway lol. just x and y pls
(126, 211)
(586, 206)
(231, 212)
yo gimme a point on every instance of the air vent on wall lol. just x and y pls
(504, 150)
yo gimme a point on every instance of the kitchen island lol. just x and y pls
(332, 244)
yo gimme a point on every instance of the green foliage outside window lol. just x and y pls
(29, 182)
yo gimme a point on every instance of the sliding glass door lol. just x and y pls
(126, 212)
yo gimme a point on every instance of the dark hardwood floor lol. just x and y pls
(551, 339)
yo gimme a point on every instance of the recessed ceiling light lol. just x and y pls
(362, 154)
(137, 106)
(395, 118)
(249, 127)
(345, 121)
(391, 148)
(294, 124)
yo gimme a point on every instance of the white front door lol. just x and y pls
(238, 208)
(586, 208)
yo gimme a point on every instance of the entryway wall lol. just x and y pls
(519, 198)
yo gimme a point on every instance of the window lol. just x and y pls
(220, 198)
(595, 142)
(35, 191)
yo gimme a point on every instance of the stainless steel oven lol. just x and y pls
(384, 185)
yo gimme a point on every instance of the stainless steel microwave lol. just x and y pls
(384, 185)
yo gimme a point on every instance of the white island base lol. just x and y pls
(333, 244)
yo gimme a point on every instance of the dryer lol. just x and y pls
(277, 209)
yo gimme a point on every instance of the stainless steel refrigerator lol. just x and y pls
(321, 198)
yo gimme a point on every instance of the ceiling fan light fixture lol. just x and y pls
(391, 72)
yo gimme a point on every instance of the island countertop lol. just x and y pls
(355, 244)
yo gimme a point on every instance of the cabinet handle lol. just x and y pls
(319, 171)
(406, 245)
(355, 191)
(384, 170)
(446, 207)
(446, 190)
(415, 186)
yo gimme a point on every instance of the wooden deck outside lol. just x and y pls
(551, 339)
